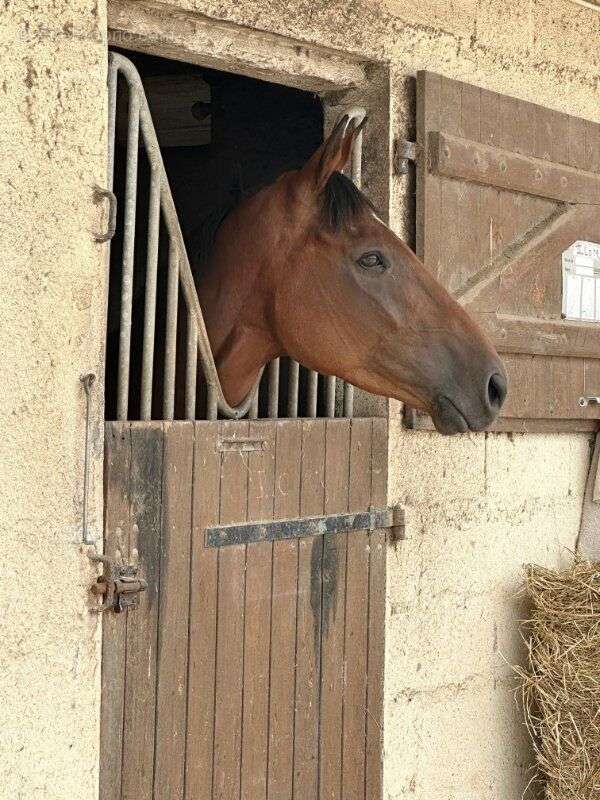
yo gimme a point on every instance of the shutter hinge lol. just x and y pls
(404, 152)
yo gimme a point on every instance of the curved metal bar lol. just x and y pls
(211, 376)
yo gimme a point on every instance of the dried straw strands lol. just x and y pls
(561, 685)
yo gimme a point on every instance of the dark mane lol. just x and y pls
(343, 201)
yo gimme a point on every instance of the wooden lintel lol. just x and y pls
(535, 336)
(454, 157)
(164, 30)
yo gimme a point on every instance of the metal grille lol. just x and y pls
(277, 384)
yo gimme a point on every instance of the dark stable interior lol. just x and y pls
(237, 137)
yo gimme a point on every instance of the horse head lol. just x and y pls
(306, 268)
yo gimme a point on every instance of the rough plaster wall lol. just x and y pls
(52, 292)
(480, 506)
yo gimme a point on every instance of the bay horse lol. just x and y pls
(306, 268)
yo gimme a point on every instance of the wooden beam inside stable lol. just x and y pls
(462, 159)
(194, 38)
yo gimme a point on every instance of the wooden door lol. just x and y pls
(249, 671)
(503, 188)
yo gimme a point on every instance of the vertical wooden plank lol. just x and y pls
(203, 615)
(333, 605)
(171, 690)
(489, 224)
(468, 263)
(428, 186)
(142, 625)
(117, 463)
(357, 615)
(308, 650)
(230, 623)
(283, 613)
(452, 192)
(520, 400)
(257, 615)
(376, 648)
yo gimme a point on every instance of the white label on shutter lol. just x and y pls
(581, 282)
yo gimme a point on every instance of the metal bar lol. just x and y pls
(191, 368)
(212, 410)
(330, 385)
(311, 394)
(374, 519)
(273, 401)
(292, 404)
(150, 300)
(253, 412)
(172, 223)
(128, 254)
(171, 333)
(112, 118)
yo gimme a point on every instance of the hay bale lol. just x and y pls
(561, 683)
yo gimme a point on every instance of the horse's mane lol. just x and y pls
(343, 202)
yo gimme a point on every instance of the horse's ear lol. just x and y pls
(332, 156)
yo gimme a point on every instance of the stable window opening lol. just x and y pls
(221, 137)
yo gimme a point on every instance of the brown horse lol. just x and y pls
(305, 268)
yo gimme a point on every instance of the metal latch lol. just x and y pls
(118, 586)
(274, 530)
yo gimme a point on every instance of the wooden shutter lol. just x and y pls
(503, 188)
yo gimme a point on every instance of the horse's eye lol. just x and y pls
(373, 260)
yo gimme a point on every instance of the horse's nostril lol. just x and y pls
(496, 391)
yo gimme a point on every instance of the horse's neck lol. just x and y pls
(241, 344)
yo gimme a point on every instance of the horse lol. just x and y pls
(306, 268)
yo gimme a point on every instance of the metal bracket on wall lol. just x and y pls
(99, 195)
(404, 152)
(247, 533)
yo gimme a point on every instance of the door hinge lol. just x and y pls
(119, 586)
(403, 153)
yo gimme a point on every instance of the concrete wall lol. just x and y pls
(52, 80)
(479, 505)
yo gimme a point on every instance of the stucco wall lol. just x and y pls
(52, 80)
